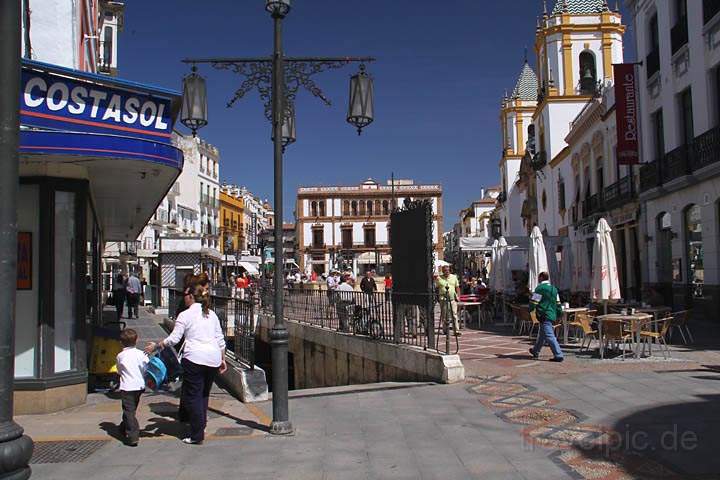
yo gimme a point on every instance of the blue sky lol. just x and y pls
(441, 71)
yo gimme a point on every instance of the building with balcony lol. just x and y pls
(232, 235)
(679, 92)
(349, 226)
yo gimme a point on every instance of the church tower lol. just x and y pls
(576, 43)
(516, 117)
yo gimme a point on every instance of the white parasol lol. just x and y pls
(503, 271)
(605, 281)
(537, 258)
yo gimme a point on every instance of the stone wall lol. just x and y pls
(325, 358)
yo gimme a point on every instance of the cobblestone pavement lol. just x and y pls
(514, 418)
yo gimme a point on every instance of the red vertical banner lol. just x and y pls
(627, 114)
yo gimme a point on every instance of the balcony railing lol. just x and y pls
(710, 9)
(702, 151)
(612, 196)
(652, 62)
(679, 35)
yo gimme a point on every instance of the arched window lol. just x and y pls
(377, 209)
(322, 208)
(588, 73)
(694, 250)
(386, 207)
(354, 208)
(313, 209)
(369, 207)
(346, 207)
(362, 207)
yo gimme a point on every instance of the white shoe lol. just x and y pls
(190, 441)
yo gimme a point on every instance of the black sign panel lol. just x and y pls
(412, 248)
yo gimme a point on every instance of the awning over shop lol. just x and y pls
(250, 267)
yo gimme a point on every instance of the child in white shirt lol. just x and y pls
(131, 365)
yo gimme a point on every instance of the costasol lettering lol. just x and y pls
(97, 104)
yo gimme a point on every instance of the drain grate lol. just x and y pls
(65, 451)
(233, 431)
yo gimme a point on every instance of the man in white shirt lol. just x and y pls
(344, 300)
(131, 365)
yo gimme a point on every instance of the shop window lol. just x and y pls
(664, 247)
(65, 308)
(694, 250)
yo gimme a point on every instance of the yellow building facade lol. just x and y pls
(232, 211)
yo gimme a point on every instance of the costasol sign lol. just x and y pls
(52, 101)
(627, 115)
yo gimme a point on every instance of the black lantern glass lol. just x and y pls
(278, 7)
(361, 110)
(194, 102)
(288, 129)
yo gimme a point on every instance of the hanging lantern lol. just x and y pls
(360, 110)
(278, 8)
(288, 130)
(194, 102)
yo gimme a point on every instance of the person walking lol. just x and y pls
(448, 287)
(388, 286)
(119, 295)
(133, 288)
(545, 301)
(203, 357)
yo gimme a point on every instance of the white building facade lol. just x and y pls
(348, 226)
(679, 92)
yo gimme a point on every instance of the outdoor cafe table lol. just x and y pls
(567, 313)
(635, 321)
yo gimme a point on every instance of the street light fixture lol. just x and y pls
(278, 80)
(279, 8)
(194, 102)
(361, 108)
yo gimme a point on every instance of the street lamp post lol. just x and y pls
(279, 95)
(15, 448)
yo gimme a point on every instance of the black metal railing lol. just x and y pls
(619, 193)
(396, 318)
(652, 62)
(236, 316)
(676, 163)
(679, 35)
(706, 149)
(710, 9)
(650, 175)
(702, 151)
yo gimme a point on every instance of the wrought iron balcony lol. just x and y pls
(702, 151)
(593, 204)
(650, 175)
(539, 161)
(679, 35)
(710, 9)
(619, 193)
(652, 62)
